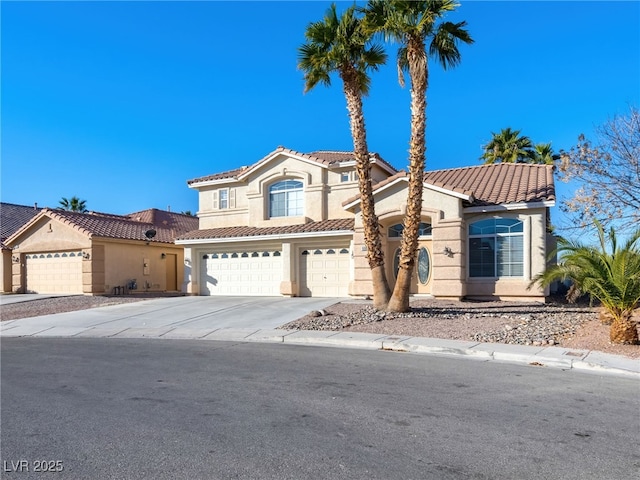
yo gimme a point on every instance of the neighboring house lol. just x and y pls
(290, 224)
(12, 217)
(60, 251)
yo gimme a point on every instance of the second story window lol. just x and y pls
(286, 199)
(224, 198)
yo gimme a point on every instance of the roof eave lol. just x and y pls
(279, 236)
(219, 181)
(510, 206)
(464, 196)
(297, 155)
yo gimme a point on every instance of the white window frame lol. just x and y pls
(292, 198)
(496, 238)
(229, 200)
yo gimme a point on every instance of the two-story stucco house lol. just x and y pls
(290, 224)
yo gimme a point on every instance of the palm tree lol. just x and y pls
(74, 204)
(612, 275)
(508, 146)
(543, 154)
(412, 24)
(339, 45)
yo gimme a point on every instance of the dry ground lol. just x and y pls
(574, 327)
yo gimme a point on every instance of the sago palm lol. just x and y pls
(609, 273)
(413, 25)
(339, 45)
(508, 146)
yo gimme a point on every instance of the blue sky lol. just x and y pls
(120, 103)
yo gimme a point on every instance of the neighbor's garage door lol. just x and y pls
(324, 272)
(54, 272)
(241, 273)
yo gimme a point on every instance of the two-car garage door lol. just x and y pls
(323, 272)
(54, 272)
(241, 273)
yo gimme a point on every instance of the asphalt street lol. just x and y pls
(172, 409)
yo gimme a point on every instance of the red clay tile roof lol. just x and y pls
(219, 176)
(324, 157)
(123, 227)
(12, 217)
(244, 231)
(499, 183)
(496, 184)
(180, 222)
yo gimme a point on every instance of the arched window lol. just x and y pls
(286, 199)
(395, 231)
(496, 248)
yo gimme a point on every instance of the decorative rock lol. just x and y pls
(546, 325)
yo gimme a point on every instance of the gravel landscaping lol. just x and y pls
(551, 324)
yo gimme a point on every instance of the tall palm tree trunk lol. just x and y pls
(375, 254)
(417, 62)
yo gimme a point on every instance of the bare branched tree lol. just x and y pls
(607, 173)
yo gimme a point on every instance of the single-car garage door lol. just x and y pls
(54, 272)
(324, 272)
(241, 273)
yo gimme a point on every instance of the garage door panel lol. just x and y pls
(55, 272)
(325, 272)
(233, 273)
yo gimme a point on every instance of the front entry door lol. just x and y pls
(421, 279)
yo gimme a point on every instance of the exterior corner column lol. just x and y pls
(288, 285)
(449, 259)
(190, 276)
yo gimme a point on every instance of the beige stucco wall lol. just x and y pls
(450, 234)
(122, 262)
(443, 212)
(324, 193)
(215, 218)
(5, 271)
(50, 235)
(106, 262)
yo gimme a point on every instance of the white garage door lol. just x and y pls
(324, 272)
(54, 272)
(241, 273)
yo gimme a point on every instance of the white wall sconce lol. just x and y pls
(448, 252)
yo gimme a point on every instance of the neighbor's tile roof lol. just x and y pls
(123, 227)
(500, 183)
(244, 231)
(329, 158)
(496, 184)
(12, 217)
(180, 222)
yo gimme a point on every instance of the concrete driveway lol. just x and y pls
(9, 298)
(173, 317)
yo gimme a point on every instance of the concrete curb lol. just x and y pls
(552, 357)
